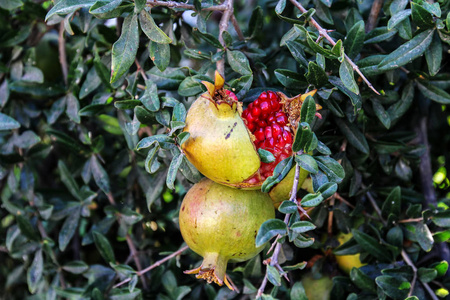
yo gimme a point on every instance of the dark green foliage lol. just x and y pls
(93, 101)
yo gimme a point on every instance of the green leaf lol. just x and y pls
(76, 267)
(290, 79)
(272, 273)
(433, 92)
(356, 99)
(192, 86)
(302, 137)
(307, 162)
(421, 16)
(312, 200)
(35, 271)
(408, 51)
(68, 229)
(280, 171)
(266, 156)
(101, 178)
(441, 268)
(331, 168)
(353, 135)
(392, 204)
(298, 54)
(151, 30)
(392, 286)
(398, 18)
(125, 48)
(371, 245)
(427, 274)
(281, 5)
(64, 7)
(362, 281)
(433, 55)
(26, 228)
(104, 247)
(209, 38)
(256, 22)
(424, 236)
(302, 226)
(397, 110)
(72, 108)
(68, 180)
(102, 7)
(239, 62)
(315, 75)
(288, 207)
(328, 189)
(163, 140)
(8, 123)
(150, 97)
(268, 230)
(173, 169)
(160, 55)
(319, 49)
(298, 291)
(126, 104)
(10, 4)
(348, 78)
(381, 113)
(308, 110)
(379, 34)
(354, 41)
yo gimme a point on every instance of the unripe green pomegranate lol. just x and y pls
(220, 224)
(224, 140)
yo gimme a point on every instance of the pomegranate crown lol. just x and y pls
(218, 94)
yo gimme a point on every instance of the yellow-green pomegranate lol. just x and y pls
(220, 224)
(224, 139)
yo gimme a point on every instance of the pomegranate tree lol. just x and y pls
(220, 224)
(224, 140)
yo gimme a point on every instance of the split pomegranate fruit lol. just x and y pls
(224, 140)
(220, 224)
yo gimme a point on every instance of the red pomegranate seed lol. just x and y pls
(262, 124)
(256, 111)
(281, 120)
(271, 119)
(276, 130)
(263, 96)
(268, 132)
(269, 143)
(251, 126)
(287, 137)
(265, 106)
(259, 134)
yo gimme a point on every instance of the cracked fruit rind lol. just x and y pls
(220, 224)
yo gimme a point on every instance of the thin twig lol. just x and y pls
(173, 4)
(156, 264)
(373, 16)
(237, 28)
(223, 26)
(62, 52)
(111, 198)
(133, 252)
(3, 249)
(410, 220)
(323, 32)
(140, 70)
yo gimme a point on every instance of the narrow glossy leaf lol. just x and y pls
(302, 226)
(72, 108)
(442, 219)
(348, 78)
(426, 274)
(272, 273)
(160, 55)
(381, 113)
(328, 189)
(192, 86)
(239, 62)
(307, 163)
(433, 55)
(281, 5)
(288, 207)
(151, 30)
(101, 178)
(8, 123)
(379, 34)
(322, 148)
(265, 156)
(392, 204)
(302, 137)
(290, 79)
(68, 180)
(371, 245)
(391, 286)
(163, 140)
(398, 18)
(101, 7)
(356, 99)
(68, 229)
(433, 92)
(90, 84)
(420, 16)
(173, 169)
(150, 97)
(308, 110)
(441, 268)
(10, 4)
(331, 168)
(319, 49)
(126, 104)
(312, 200)
(26, 228)
(209, 38)
(408, 51)
(353, 135)
(362, 281)
(424, 236)
(104, 247)
(315, 75)
(76, 267)
(35, 271)
(64, 7)
(268, 230)
(354, 41)
(280, 171)
(398, 109)
(256, 21)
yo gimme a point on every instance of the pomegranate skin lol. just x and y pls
(219, 145)
(220, 224)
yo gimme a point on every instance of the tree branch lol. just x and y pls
(324, 33)
(133, 253)
(62, 52)
(373, 16)
(223, 26)
(173, 4)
